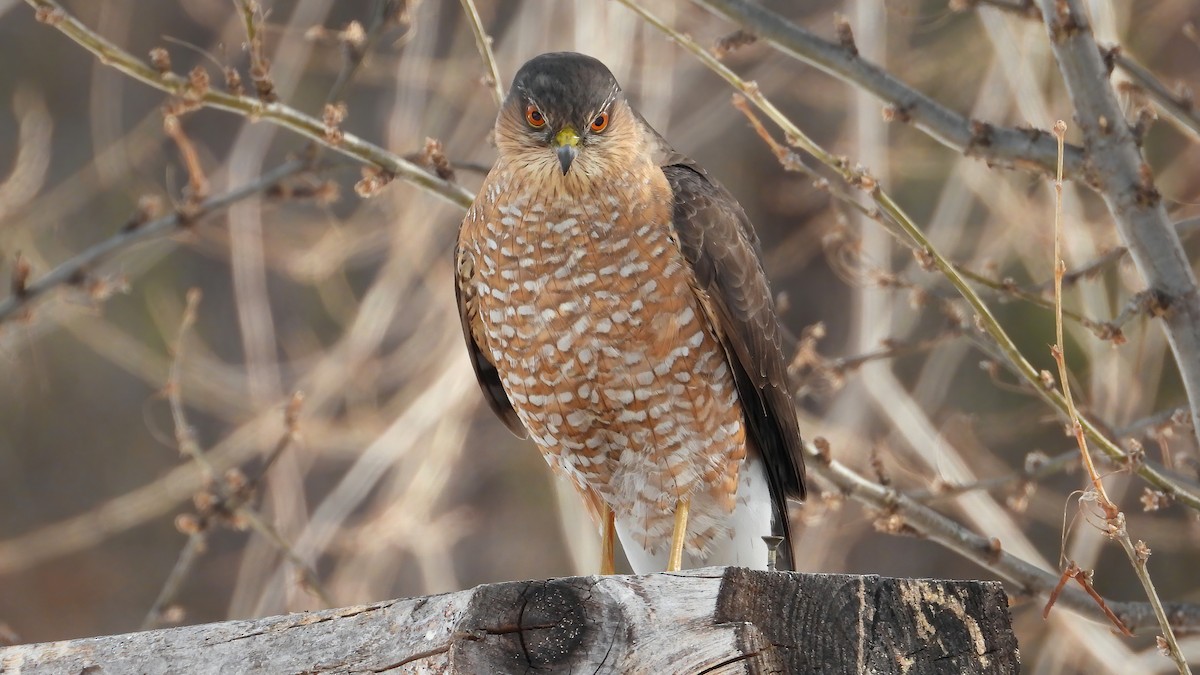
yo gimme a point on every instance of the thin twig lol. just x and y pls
(260, 66)
(790, 160)
(312, 128)
(891, 349)
(291, 426)
(1185, 228)
(1114, 519)
(1179, 107)
(1038, 466)
(1033, 471)
(197, 188)
(812, 371)
(924, 249)
(184, 435)
(1105, 330)
(1139, 554)
(1073, 571)
(197, 534)
(1057, 350)
(358, 49)
(483, 42)
(229, 496)
(75, 270)
(356, 44)
(192, 549)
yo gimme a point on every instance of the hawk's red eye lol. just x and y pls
(534, 117)
(600, 123)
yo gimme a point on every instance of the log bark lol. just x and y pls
(712, 620)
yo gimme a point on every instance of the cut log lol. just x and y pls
(713, 620)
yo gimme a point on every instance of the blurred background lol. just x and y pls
(398, 482)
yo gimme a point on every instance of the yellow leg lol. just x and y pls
(675, 562)
(606, 541)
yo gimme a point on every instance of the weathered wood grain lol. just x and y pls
(713, 620)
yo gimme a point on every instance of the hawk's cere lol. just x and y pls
(616, 310)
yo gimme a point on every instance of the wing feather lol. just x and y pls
(485, 370)
(718, 240)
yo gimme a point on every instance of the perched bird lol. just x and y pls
(615, 310)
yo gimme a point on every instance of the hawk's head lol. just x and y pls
(566, 113)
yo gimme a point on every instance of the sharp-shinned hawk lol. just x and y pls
(616, 311)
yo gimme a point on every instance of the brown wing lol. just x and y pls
(717, 239)
(485, 370)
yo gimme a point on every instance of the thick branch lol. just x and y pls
(1030, 149)
(1126, 183)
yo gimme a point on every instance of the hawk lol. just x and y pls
(616, 311)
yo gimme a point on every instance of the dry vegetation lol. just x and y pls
(232, 381)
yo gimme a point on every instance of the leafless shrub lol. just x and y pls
(906, 264)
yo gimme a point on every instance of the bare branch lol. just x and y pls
(1029, 149)
(1184, 228)
(197, 188)
(1179, 106)
(195, 545)
(227, 495)
(483, 42)
(312, 128)
(1105, 330)
(260, 66)
(75, 270)
(1059, 351)
(1126, 183)
(357, 44)
(1114, 519)
(1073, 571)
(198, 527)
(910, 517)
(791, 161)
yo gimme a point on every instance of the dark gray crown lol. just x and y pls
(566, 86)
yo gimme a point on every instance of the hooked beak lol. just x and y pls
(566, 146)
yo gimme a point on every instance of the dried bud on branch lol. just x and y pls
(161, 60)
(724, 46)
(334, 115)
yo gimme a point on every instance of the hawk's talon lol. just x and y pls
(772, 541)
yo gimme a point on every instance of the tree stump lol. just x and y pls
(712, 620)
